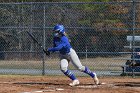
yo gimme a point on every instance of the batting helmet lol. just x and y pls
(59, 28)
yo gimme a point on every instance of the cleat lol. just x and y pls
(96, 80)
(74, 83)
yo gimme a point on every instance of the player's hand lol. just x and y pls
(46, 52)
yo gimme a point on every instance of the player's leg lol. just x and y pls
(76, 62)
(64, 69)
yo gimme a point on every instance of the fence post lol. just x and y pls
(133, 37)
(44, 36)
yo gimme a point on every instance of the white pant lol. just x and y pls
(72, 57)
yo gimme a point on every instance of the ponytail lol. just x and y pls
(65, 34)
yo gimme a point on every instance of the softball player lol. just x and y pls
(67, 53)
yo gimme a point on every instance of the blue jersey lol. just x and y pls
(61, 44)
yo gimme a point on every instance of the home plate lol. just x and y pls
(50, 90)
(89, 86)
(59, 89)
(38, 91)
(103, 83)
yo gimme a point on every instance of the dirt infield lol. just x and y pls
(59, 84)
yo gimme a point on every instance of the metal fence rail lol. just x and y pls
(98, 32)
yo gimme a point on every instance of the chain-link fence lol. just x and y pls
(98, 32)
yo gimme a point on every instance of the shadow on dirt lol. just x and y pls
(129, 84)
(36, 83)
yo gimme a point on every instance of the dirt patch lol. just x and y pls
(59, 84)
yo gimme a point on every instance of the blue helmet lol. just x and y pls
(59, 28)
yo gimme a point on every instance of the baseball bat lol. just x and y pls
(33, 38)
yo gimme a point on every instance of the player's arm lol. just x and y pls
(59, 47)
